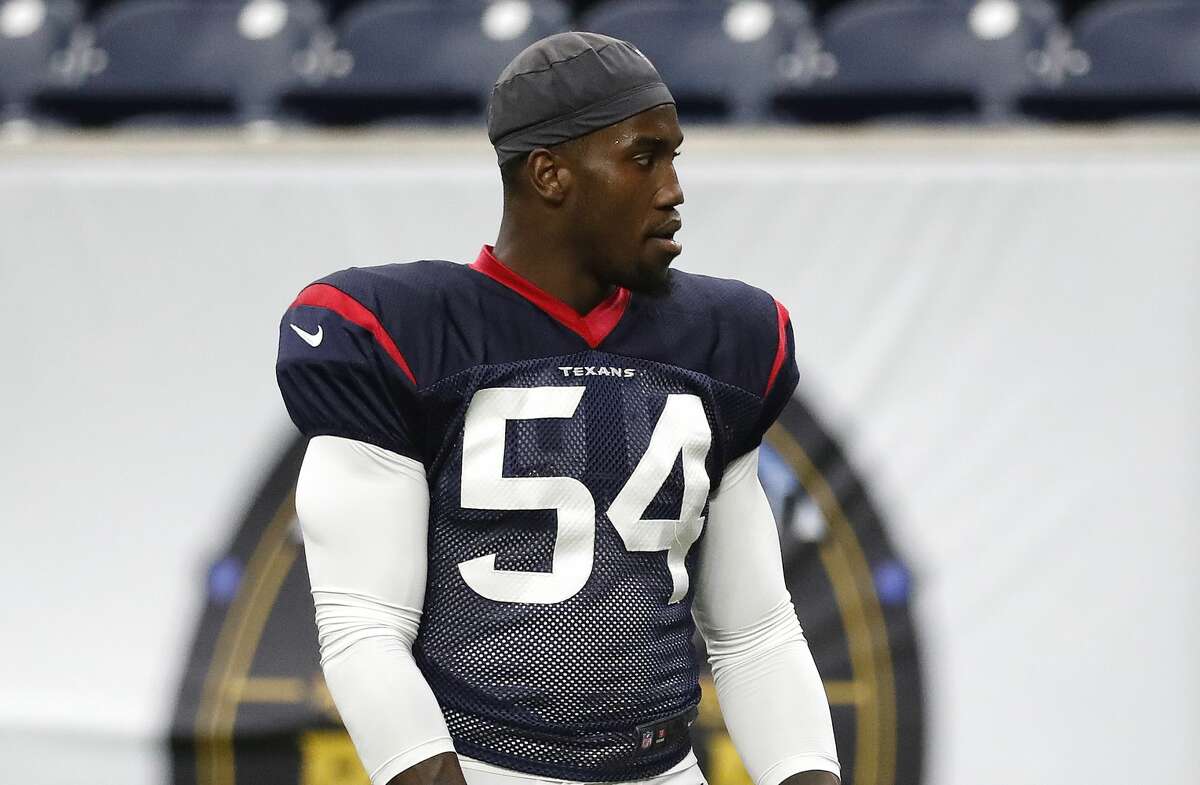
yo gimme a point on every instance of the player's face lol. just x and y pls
(626, 196)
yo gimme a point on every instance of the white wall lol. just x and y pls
(1002, 330)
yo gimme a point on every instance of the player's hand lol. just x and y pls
(441, 769)
(812, 778)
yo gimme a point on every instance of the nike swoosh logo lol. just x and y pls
(312, 339)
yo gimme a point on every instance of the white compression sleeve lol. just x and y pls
(363, 513)
(770, 693)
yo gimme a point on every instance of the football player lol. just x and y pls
(531, 478)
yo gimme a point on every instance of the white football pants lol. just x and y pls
(476, 772)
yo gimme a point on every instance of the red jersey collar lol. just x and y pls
(592, 327)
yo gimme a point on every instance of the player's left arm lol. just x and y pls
(770, 692)
(771, 695)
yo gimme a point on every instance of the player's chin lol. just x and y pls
(653, 276)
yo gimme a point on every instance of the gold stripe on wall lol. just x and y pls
(866, 632)
(236, 643)
(262, 689)
(847, 693)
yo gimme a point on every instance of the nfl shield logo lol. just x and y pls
(647, 739)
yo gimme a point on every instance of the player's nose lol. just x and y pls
(671, 193)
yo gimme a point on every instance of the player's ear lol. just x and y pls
(549, 175)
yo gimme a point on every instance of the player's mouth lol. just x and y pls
(665, 236)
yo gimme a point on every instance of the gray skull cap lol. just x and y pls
(568, 85)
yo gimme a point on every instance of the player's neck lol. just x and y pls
(553, 267)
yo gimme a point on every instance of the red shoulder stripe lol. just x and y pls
(322, 295)
(781, 314)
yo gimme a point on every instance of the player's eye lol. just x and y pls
(645, 159)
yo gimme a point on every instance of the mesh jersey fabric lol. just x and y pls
(555, 688)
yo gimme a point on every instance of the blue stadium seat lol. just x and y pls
(1126, 58)
(721, 59)
(31, 33)
(921, 58)
(422, 60)
(184, 60)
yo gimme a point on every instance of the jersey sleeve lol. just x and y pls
(781, 383)
(769, 370)
(341, 373)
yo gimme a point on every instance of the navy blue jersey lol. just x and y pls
(570, 461)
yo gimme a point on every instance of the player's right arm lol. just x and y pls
(363, 515)
(362, 500)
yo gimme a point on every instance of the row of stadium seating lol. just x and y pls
(748, 61)
(579, 8)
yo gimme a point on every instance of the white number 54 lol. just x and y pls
(682, 428)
